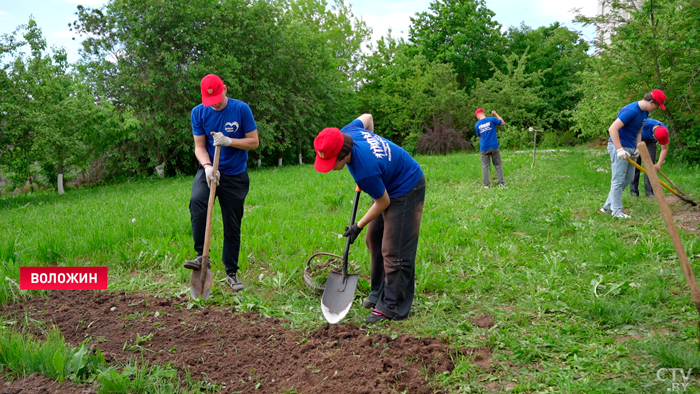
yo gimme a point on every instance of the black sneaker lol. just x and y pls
(194, 264)
(234, 282)
(369, 303)
(376, 317)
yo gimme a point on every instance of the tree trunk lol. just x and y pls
(59, 181)
(300, 160)
(279, 159)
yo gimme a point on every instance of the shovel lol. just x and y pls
(340, 286)
(200, 283)
(686, 199)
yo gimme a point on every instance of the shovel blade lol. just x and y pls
(197, 289)
(338, 295)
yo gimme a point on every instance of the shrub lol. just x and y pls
(441, 139)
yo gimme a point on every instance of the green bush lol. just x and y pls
(512, 137)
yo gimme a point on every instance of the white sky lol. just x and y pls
(53, 16)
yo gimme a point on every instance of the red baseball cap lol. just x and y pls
(328, 144)
(479, 111)
(661, 134)
(660, 98)
(212, 87)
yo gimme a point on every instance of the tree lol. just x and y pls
(406, 93)
(516, 95)
(461, 33)
(290, 60)
(650, 45)
(49, 116)
(561, 53)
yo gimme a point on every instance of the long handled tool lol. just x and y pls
(686, 199)
(340, 286)
(200, 283)
(672, 229)
(671, 182)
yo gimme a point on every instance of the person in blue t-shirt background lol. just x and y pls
(488, 144)
(395, 181)
(652, 132)
(625, 134)
(229, 123)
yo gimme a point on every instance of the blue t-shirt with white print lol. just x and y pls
(378, 164)
(486, 129)
(633, 118)
(235, 120)
(648, 130)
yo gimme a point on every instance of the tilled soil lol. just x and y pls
(39, 384)
(244, 352)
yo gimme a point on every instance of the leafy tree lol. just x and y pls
(49, 116)
(653, 44)
(462, 33)
(561, 53)
(406, 93)
(290, 60)
(515, 94)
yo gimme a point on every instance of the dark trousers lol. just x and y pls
(634, 186)
(487, 157)
(231, 192)
(392, 240)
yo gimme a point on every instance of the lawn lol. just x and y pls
(574, 301)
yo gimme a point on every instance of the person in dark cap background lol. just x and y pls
(395, 181)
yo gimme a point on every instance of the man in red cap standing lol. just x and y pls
(395, 181)
(652, 132)
(625, 134)
(229, 123)
(488, 144)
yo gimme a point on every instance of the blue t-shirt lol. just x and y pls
(633, 117)
(648, 130)
(235, 120)
(378, 164)
(486, 129)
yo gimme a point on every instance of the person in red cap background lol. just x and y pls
(652, 132)
(229, 123)
(488, 144)
(625, 134)
(395, 181)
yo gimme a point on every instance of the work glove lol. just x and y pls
(351, 232)
(209, 174)
(635, 154)
(622, 154)
(220, 139)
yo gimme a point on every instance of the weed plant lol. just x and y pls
(582, 302)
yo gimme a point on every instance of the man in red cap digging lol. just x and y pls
(396, 183)
(625, 134)
(652, 132)
(488, 144)
(229, 123)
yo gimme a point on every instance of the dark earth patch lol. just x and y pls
(39, 384)
(485, 321)
(245, 352)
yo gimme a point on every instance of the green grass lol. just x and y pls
(22, 353)
(564, 284)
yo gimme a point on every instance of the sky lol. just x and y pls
(53, 16)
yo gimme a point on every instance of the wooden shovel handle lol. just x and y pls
(671, 226)
(210, 209)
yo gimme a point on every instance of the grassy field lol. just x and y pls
(582, 302)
